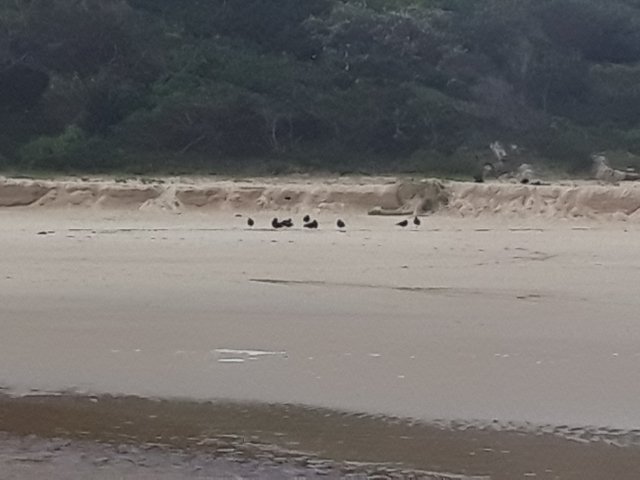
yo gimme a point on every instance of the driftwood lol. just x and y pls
(415, 198)
(604, 173)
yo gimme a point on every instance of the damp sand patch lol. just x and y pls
(327, 441)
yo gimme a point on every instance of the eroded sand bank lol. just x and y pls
(510, 317)
(356, 194)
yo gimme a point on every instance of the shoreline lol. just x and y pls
(319, 441)
(525, 320)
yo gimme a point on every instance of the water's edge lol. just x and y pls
(332, 442)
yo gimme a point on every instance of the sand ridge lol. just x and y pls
(346, 194)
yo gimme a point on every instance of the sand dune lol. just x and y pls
(573, 200)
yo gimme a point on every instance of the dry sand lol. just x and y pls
(516, 304)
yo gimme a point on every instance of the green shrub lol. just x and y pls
(72, 150)
(52, 152)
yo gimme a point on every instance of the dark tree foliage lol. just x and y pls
(329, 84)
(600, 31)
(276, 26)
(21, 87)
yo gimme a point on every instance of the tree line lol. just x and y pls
(273, 86)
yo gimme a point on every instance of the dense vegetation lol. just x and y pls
(342, 85)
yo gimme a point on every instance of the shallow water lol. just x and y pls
(62, 459)
(335, 442)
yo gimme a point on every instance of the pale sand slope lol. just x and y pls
(349, 194)
(466, 318)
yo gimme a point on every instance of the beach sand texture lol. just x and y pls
(512, 306)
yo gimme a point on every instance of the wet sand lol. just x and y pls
(62, 459)
(480, 322)
(291, 440)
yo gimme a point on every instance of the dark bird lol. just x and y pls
(275, 223)
(403, 223)
(287, 223)
(250, 222)
(341, 224)
(313, 224)
(306, 219)
(416, 221)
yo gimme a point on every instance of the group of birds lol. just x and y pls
(313, 224)
(288, 223)
(404, 223)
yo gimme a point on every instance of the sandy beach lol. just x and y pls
(517, 312)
